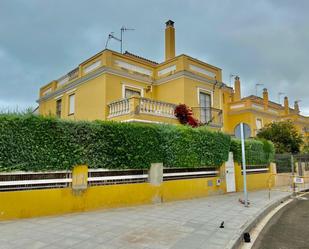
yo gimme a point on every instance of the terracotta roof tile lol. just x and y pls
(139, 57)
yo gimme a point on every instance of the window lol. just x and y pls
(71, 104)
(129, 93)
(58, 107)
(259, 123)
(205, 107)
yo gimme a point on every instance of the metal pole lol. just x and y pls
(244, 163)
(121, 31)
(293, 174)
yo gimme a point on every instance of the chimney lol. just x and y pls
(286, 105)
(237, 93)
(169, 40)
(265, 98)
(296, 106)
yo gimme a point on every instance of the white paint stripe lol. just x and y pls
(124, 177)
(191, 173)
(33, 182)
(34, 172)
(256, 170)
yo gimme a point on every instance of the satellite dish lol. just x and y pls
(247, 131)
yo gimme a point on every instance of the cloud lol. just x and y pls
(262, 41)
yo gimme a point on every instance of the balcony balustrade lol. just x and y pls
(138, 105)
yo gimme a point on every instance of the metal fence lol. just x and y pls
(256, 169)
(300, 161)
(34, 180)
(97, 177)
(283, 163)
(286, 163)
(176, 174)
(14, 181)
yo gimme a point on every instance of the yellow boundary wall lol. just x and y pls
(255, 181)
(34, 203)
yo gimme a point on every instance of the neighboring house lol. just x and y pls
(257, 112)
(128, 88)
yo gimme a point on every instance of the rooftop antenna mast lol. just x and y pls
(122, 30)
(231, 76)
(256, 88)
(279, 96)
(112, 36)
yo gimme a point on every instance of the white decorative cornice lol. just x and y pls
(139, 78)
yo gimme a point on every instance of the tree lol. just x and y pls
(284, 135)
(305, 148)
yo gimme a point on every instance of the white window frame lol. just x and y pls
(71, 105)
(204, 90)
(60, 111)
(138, 88)
(256, 122)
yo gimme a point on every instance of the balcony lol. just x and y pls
(208, 116)
(143, 110)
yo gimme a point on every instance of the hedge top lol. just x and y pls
(35, 143)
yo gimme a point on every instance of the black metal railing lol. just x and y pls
(208, 116)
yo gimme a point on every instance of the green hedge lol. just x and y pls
(37, 143)
(187, 147)
(258, 152)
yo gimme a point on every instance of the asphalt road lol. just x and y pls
(287, 229)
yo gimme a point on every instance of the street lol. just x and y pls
(288, 229)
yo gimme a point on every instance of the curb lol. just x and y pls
(249, 225)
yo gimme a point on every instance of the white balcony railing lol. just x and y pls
(158, 108)
(119, 107)
(138, 105)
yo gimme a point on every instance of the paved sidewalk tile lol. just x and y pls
(181, 224)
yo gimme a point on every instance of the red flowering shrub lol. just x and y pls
(185, 116)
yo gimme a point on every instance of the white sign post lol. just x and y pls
(243, 131)
(244, 163)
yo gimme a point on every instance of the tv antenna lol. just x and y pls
(111, 35)
(231, 76)
(279, 96)
(256, 88)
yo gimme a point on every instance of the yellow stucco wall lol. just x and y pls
(172, 91)
(255, 181)
(32, 203)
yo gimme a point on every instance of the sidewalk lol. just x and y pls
(182, 225)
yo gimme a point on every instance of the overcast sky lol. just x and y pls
(262, 41)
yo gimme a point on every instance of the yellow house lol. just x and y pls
(129, 88)
(257, 112)
(126, 87)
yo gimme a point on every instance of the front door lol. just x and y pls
(230, 174)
